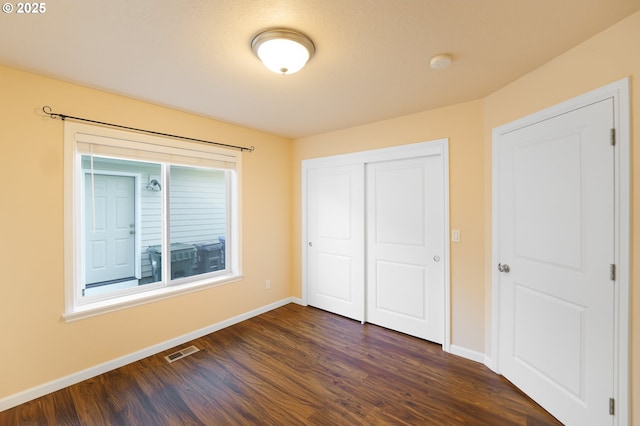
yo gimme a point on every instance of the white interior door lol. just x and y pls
(109, 228)
(335, 231)
(384, 242)
(556, 237)
(405, 246)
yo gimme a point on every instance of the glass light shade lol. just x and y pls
(283, 51)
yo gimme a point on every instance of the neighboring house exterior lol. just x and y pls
(198, 207)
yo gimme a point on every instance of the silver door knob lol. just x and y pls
(504, 268)
(310, 244)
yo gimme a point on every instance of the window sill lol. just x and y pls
(105, 306)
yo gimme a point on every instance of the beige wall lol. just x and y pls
(462, 124)
(608, 57)
(36, 345)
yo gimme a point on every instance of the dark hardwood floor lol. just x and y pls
(292, 366)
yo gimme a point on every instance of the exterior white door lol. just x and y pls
(555, 190)
(405, 246)
(109, 228)
(335, 231)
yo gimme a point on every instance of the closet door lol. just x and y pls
(405, 246)
(335, 233)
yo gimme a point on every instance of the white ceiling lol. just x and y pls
(371, 62)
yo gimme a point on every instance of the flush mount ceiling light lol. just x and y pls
(282, 50)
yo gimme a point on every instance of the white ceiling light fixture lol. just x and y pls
(282, 50)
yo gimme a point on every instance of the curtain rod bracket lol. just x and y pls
(54, 115)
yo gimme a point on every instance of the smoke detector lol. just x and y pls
(441, 61)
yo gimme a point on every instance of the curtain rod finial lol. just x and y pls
(47, 110)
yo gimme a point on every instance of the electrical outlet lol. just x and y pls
(455, 235)
(267, 284)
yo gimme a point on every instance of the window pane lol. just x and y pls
(198, 221)
(122, 217)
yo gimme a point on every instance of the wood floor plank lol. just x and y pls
(292, 366)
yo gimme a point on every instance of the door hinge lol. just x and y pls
(612, 406)
(613, 137)
(612, 272)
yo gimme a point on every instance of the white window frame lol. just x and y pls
(126, 145)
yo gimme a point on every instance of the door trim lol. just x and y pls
(435, 147)
(619, 92)
(137, 214)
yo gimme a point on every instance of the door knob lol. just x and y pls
(504, 268)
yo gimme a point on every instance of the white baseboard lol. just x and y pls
(44, 389)
(298, 301)
(490, 362)
(468, 354)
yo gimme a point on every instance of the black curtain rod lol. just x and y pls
(47, 110)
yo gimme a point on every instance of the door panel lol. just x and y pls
(401, 289)
(405, 242)
(545, 234)
(556, 233)
(563, 365)
(110, 229)
(334, 276)
(336, 239)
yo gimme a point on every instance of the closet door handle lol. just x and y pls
(504, 268)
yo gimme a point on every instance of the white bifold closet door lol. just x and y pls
(376, 243)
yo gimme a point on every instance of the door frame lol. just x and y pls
(137, 204)
(435, 147)
(619, 92)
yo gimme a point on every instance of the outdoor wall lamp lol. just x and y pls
(153, 185)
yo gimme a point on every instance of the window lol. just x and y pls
(146, 217)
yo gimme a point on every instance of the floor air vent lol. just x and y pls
(181, 354)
